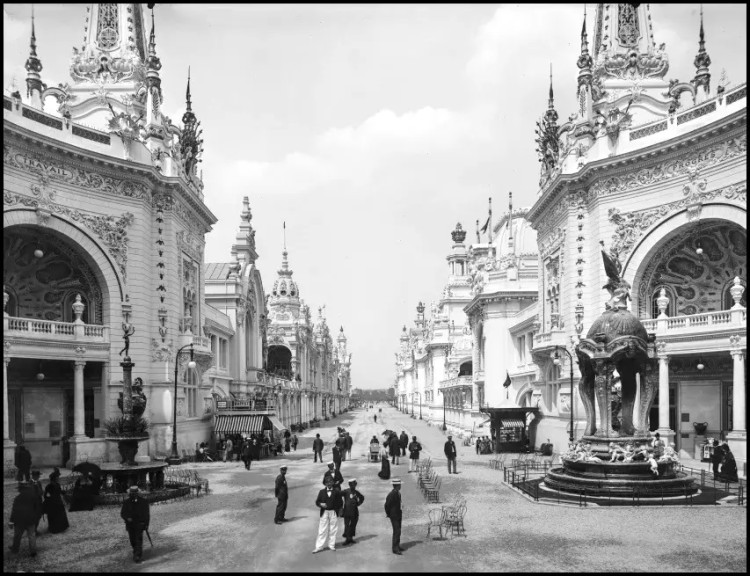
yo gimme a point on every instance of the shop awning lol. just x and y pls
(237, 424)
(277, 423)
(511, 423)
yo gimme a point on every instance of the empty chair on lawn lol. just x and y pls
(436, 520)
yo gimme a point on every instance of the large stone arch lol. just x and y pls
(655, 238)
(96, 256)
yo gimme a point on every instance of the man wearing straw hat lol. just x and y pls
(393, 512)
(329, 502)
(335, 474)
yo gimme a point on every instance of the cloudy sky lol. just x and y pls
(370, 129)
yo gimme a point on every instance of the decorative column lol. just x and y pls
(79, 425)
(664, 430)
(737, 438)
(105, 392)
(6, 424)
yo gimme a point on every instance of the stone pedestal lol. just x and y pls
(700, 441)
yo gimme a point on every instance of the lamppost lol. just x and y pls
(174, 457)
(558, 361)
(444, 426)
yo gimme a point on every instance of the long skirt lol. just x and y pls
(385, 469)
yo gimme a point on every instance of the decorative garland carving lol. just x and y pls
(112, 232)
(676, 167)
(632, 225)
(551, 242)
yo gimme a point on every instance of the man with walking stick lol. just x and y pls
(135, 511)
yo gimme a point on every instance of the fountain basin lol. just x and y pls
(613, 479)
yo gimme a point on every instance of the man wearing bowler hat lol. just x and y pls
(135, 512)
(282, 495)
(393, 512)
(353, 499)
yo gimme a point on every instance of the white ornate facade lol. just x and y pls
(104, 227)
(656, 171)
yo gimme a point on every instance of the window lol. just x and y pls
(190, 378)
(521, 346)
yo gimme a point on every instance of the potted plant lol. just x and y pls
(127, 433)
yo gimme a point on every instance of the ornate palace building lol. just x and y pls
(655, 172)
(104, 228)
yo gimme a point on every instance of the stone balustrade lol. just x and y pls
(62, 331)
(696, 323)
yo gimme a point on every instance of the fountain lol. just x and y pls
(617, 341)
(128, 430)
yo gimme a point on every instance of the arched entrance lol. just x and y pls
(279, 361)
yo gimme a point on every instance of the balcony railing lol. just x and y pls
(456, 382)
(245, 406)
(66, 331)
(696, 323)
(202, 341)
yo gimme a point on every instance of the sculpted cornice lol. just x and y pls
(107, 178)
(669, 150)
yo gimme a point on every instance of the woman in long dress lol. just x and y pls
(54, 507)
(83, 494)
(385, 465)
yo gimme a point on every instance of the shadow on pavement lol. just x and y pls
(294, 518)
(407, 545)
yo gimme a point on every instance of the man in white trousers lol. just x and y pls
(330, 504)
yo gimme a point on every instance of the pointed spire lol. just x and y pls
(284, 253)
(152, 36)
(33, 67)
(188, 117)
(551, 103)
(510, 216)
(702, 62)
(187, 92)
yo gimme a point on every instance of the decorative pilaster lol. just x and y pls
(6, 425)
(664, 430)
(79, 425)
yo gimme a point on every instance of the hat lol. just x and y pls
(36, 473)
(133, 489)
(332, 463)
(282, 467)
(396, 482)
(353, 481)
(450, 437)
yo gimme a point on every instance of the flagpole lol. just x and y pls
(489, 230)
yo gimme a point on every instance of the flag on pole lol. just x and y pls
(486, 225)
(507, 380)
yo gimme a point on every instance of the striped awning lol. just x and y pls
(237, 423)
(277, 423)
(510, 423)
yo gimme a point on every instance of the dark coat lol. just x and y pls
(54, 508)
(393, 505)
(336, 452)
(318, 445)
(281, 491)
(353, 499)
(414, 450)
(349, 442)
(247, 451)
(403, 440)
(27, 508)
(138, 511)
(338, 479)
(450, 449)
(333, 502)
(394, 449)
(23, 458)
(385, 469)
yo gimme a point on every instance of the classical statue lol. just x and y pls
(128, 330)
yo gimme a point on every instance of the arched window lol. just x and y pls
(465, 369)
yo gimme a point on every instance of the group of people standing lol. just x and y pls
(31, 504)
(723, 462)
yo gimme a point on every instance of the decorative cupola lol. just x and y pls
(585, 65)
(34, 86)
(702, 80)
(341, 339)
(547, 139)
(285, 291)
(420, 315)
(404, 338)
(191, 143)
(154, 96)
(457, 259)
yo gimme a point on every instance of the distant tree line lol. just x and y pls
(372, 395)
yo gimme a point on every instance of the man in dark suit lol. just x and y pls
(24, 516)
(349, 443)
(393, 512)
(336, 453)
(329, 502)
(450, 454)
(403, 442)
(353, 499)
(39, 491)
(23, 463)
(335, 475)
(282, 495)
(318, 448)
(135, 511)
